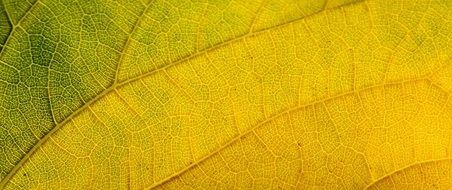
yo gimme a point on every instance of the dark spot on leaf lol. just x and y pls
(435, 186)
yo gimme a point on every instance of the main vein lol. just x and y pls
(117, 84)
(280, 114)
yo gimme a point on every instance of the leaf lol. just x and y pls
(225, 94)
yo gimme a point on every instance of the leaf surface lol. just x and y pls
(226, 94)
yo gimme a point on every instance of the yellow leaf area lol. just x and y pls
(233, 94)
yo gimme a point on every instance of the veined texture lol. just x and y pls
(203, 94)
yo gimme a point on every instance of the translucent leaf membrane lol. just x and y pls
(227, 94)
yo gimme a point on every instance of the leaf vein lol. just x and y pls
(405, 168)
(278, 115)
(118, 84)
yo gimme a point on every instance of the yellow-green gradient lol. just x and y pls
(59, 55)
(228, 94)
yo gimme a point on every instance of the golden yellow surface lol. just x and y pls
(233, 94)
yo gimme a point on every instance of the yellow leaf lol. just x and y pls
(203, 94)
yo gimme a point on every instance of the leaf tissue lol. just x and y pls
(225, 94)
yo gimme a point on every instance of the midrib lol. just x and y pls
(117, 84)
